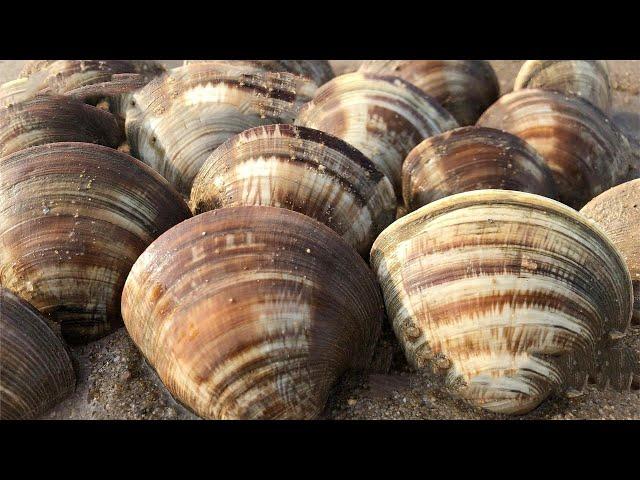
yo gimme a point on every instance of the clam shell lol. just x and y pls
(617, 212)
(252, 312)
(383, 117)
(585, 151)
(588, 79)
(301, 169)
(464, 87)
(509, 293)
(55, 118)
(177, 120)
(73, 219)
(472, 158)
(37, 371)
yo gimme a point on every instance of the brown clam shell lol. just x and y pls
(585, 151)
(73, 219)
(252, 312)
(302, 169)
(464, 87)
(617, 212)
(383, 117)
(36, 369)
(472, 158)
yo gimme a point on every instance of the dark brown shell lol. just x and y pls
(252, 312)
(302, 169)
(472, 158)
(585, 151)
(36, 370)
(464, 87)
(73, 219)
(56, 118)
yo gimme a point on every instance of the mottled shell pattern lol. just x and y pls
(317, 70)
(177, 120)
(617, 212)
(464, 87)
(55, 118)
(252, 312)
(472, 158)
(73, 219)
(509, 293)
(588, 79)
(36, 370)
(585, 151)
(302, 169)
(384, 117)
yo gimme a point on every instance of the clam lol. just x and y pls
(73, 219)
(55, 118)
(585, 151)
(509, 294)
(588, 79)
(317, 70)
(252, 312)
(37, 371)
(177, 120)
(464, 87)
(302, 169)
(472, 158)
(384, 117)
(617, 212)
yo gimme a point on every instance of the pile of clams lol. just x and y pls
(254, 223)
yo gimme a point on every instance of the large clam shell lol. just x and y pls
(585, 151)
(384, 117)
(617, 212)
(588, 79)
(36, 369)
(55, 118)
(252, 312)
(73, 219)
(464, 87)
(302, 169)
(177, 120)
(472, 158)
(508, 292)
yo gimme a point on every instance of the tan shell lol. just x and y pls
(383, 117)
(177, 120)
(55, 118)
(472, 158)
(588, 79)
(585, 151)
(464, 87)
(509, 293)
(317, 70)
(617, 212)
(74, 218)
(36, 371)
(301, 169)
(252, 312)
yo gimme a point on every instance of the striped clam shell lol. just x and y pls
(73, 219)
(317, 70)
(585, 151)
(509, 293)
(464, 87)
(55, 118)
(36, 371)
(383, 117)
(304, 170)
(617, 212)
(252, 312)
(176, 121)
(588, 79)
(472, 158)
